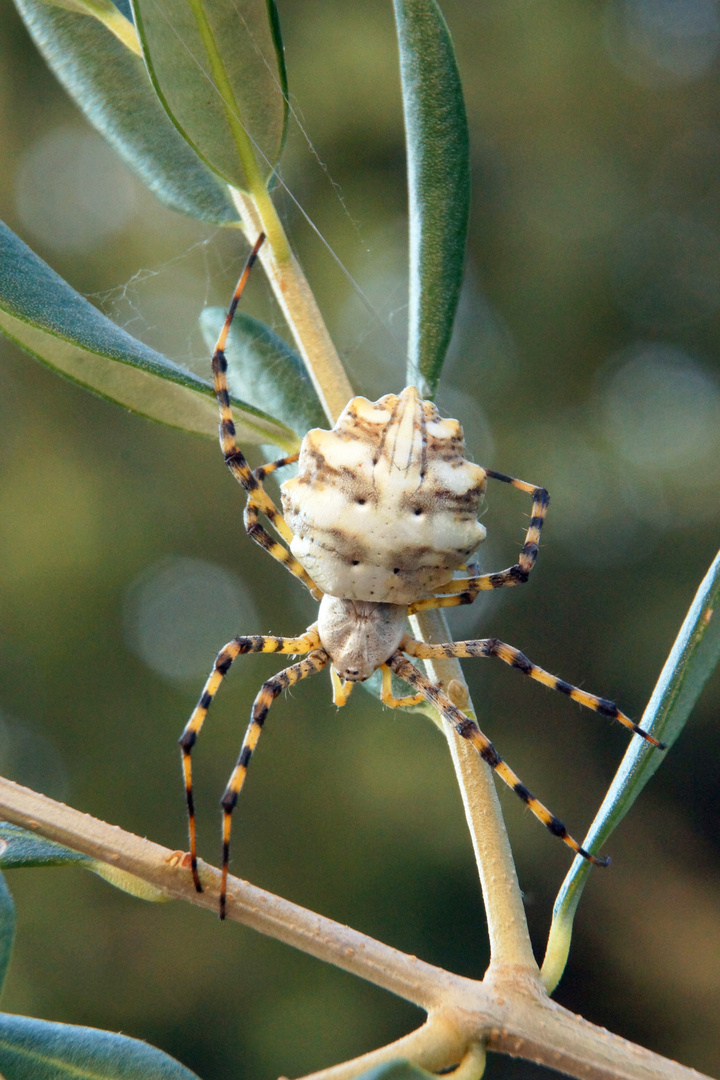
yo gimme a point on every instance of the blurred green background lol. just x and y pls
(585, 359)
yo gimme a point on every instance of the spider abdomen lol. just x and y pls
(384, 507)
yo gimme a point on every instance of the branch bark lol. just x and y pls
(508, 1011)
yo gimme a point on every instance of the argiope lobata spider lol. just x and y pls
(382, 514)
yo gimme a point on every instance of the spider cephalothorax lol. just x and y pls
(379, 520)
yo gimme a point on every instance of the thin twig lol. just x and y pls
(434, 1046)
(299, 307)
(510, 1013)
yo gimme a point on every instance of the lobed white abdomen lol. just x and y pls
(384, 507)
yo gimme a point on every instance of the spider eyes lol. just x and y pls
(417, 512)
(361, 502)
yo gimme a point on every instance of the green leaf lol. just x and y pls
(19, 847)
(111, 86)
(692, 660)
(22, 848)
(40, 1050)
(265, 371)
(107, 13)
(436, 134)
(7, 928)
(46, 317)
(217, 67)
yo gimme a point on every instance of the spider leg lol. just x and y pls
(464, 590)
(225, 657)
(313, 663)
(265, 470)
(341, 689)
(258, 499)
(388, 698)
(514, 658)
(262, 537)
(455, 592)
(469, 730)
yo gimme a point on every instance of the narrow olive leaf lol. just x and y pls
(129, 883)
(7, 928)
(21, 848)
(110, 84)
(264, 371)
(438, 156)
(41, 1050)
(218, 69)
(106, 13)
(48, 319)
(692, 660)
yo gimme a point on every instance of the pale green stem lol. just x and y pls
(510, 945)
(558, 949)
(297, 303)
(472, 1065)
(435, 1046)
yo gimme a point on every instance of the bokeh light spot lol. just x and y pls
(181, 611)
(667, 271)
(28, 757)
(72, 191)
(660, 408)
(660, 42)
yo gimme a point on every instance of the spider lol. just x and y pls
(381, 515)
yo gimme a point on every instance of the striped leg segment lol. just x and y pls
(520, 572)
(313, 663)
(225, 657)
(234, 458)
(262, 537)
(458, 591)
(514, 658)
(464, 590)
(469, 730)
(259, 502)
(265, 470)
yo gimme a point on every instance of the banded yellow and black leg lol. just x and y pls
(458, 591)
(234, 458)
(464, 590)
(259, 502)
(515, 659)
(469, 730)
(264, 470)
(237, 647)
(278, 551)
(313, 663)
